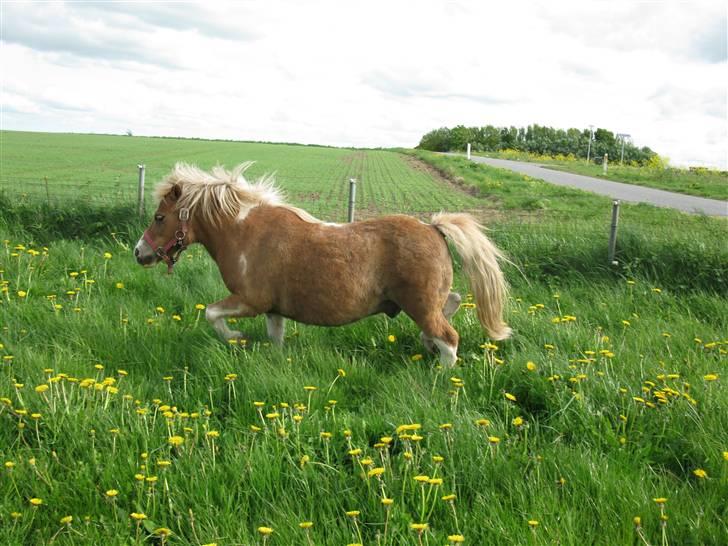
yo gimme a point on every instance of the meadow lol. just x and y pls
(125, 420)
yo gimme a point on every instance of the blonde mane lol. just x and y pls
(222, 193)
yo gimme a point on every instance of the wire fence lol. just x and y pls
(329, 201)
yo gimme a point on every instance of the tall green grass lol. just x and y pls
(574, 465)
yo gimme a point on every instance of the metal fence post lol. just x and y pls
(352, 198)
(141, 191)
(613, 232)
(604, 163)
(468, 150)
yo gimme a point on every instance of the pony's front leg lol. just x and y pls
(276, 327)
(232, 306)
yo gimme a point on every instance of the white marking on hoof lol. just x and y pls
(448, 354)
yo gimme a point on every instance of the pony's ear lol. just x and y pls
(175, 193)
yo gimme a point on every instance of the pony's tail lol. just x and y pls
(480, 263)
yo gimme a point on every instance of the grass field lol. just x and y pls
(123, 419)
(700, 182)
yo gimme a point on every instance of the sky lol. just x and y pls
(370, 73)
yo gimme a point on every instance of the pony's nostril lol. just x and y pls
(136, 252)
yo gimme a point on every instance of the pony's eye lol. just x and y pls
(158, 217)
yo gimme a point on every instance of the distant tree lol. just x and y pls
(491, 138)
(129, 133)
(459, 137)
(536, 139)
(436, 141)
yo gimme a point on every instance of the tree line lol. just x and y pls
(535, 139)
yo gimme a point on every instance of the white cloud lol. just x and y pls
(370, 74)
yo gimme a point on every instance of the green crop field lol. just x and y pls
(125, 420)
(103, 169)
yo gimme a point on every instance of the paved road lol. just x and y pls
(615, 190)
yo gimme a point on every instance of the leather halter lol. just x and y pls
(176, 244)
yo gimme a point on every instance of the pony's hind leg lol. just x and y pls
(444, 337)
(452, 304)
(276, 327)
(232, 306)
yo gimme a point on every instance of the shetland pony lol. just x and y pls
(278, 260)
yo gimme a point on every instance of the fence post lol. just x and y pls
(468, 150)
(352, 198)
(141, 191)
(613, 232)
(604, 163)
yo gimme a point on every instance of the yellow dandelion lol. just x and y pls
(112, 493)
(265, 531)
(456, 539)
(36, 501)
(66, 520)
(700, 473)
(306, 524)
(391, 338)
(509, 396)
(176, 440)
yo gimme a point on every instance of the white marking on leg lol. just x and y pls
(448, 354)
(276, 327)
(216, 315)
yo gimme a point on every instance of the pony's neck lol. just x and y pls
(214, 237)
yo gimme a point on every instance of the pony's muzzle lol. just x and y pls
(143, 254)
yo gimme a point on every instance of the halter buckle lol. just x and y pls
(184, 214)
